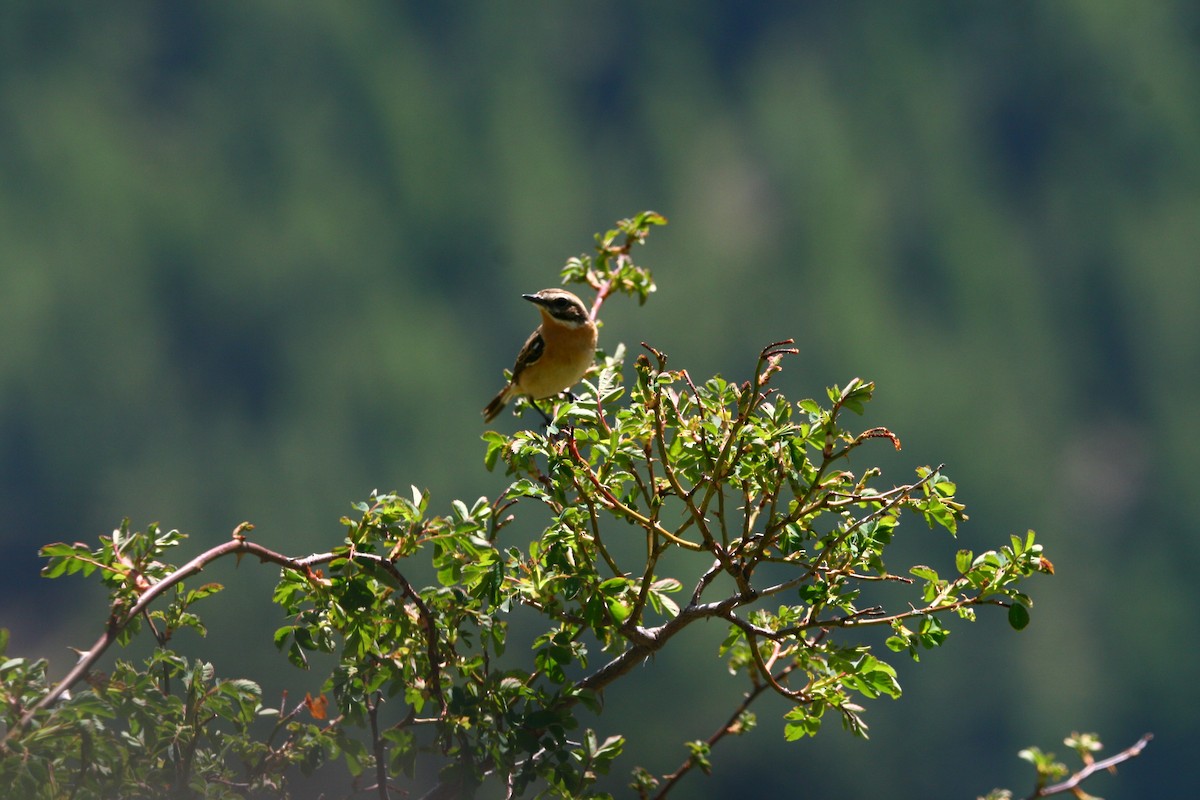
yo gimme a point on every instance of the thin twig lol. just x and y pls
(381, 781)
(427, 621)
(1133, 751)
(669, 781)
(616, 505)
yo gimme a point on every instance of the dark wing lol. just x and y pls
(531, 351)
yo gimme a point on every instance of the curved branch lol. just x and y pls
(238, 545)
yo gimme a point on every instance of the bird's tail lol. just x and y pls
(493, 409)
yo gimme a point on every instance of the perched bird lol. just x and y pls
(555, 356)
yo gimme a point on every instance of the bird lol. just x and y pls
(554, 357)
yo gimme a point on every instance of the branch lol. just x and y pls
(901, 494)
(875, 615)
(729, 727)
(602, 293)
(381, 782)
(427, 621)
(1079, 777)
(238, 545)
(648, 641)
(613, 504)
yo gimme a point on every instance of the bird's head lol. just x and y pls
(561, 306)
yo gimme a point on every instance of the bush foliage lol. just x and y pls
(663, 501)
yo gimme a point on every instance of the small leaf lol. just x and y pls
(620, 610)
(460, 510)
(923, 572)
(1018, 616)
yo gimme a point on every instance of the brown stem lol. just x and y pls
(729, 727)
(381, 783)
(1070, 784)
(611, 502)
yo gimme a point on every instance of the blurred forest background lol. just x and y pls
(259, 258)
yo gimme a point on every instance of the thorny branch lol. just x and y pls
(238, 545)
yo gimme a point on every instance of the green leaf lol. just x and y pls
(802, 721)
(810, 406)
(460, 510)
(699, 752)
(206, 590)
(496, 442)
(944, 486)
(924, 573)
(1018, 616)
(619, 609)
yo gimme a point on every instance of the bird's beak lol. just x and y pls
(533, 298)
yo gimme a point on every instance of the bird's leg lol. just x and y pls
(545, 416)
